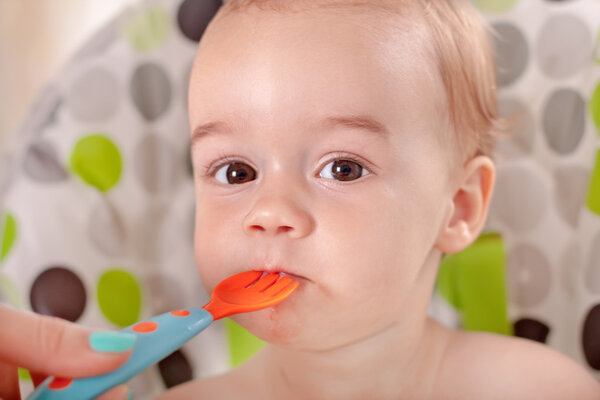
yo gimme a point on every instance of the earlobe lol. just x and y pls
(469, 206)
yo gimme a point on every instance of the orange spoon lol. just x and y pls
(159, 336)
(249, 291)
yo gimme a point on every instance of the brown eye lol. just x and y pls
(235, 173)
(342, 170)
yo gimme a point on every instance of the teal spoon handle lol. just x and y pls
(157, 337)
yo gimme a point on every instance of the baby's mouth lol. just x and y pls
(293, 276)
(282, 273)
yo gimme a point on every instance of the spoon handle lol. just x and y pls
(157, 337)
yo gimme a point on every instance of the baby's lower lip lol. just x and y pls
(289, 275)
(293, 276)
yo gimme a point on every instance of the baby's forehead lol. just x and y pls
(380, 25)
(395, 44)
(378, 16)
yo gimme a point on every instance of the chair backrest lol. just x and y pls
(536, 271)
(97, 193)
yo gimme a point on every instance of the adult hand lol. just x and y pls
(52, 346)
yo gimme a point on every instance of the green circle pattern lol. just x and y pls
(495, 6)
(119, 297)
(97, 161)
(24, 374)
(8, 235)
(149, 30)
(595, 107)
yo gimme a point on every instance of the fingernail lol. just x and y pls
(111, 342)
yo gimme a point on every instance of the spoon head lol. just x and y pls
(249, 291)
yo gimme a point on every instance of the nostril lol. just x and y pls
(257, 228)
(285, 229)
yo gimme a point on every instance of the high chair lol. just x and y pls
(97, 196)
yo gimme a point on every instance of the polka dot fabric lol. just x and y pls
(97, 197)
(97, 200)
(545, 212)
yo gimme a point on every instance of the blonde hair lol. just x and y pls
(461, 50)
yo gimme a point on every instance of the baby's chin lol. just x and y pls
(298, 322)
(281, 324)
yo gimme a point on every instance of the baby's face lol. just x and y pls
(316, 153)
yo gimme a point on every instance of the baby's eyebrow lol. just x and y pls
(207, 129)
(362, 122)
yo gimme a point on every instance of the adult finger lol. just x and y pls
(52, 346)
(37, 378)
(9, 382)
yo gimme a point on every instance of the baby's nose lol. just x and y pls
(279, 214)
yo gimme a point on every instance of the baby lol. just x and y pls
(347, 144)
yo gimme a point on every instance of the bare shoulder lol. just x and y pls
(494, 366)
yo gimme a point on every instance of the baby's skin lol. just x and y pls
(318, 150)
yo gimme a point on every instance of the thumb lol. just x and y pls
(53, 346)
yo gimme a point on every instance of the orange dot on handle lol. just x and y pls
(145, 327)
(180, 313)
(60, 383)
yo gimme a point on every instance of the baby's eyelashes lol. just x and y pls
(235, 173)
(341, 169)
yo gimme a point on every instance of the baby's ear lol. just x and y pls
(468, 209)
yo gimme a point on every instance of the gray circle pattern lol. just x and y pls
(166, 294)
(151, 90)
(106, 230)
(519, 199)
(592, 273)
(41, 163)
(519, 140)
(529, 275)
(512, 53)
(573, 180)
(156, 165)
(105, 99)
(570, 261)
(564, 45)
(564, 120)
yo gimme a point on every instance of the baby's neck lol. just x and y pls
(399, 363)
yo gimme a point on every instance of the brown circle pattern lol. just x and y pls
(590, 337)
(175, 369)
(58, 292)
(532, 329)
(194, 16)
